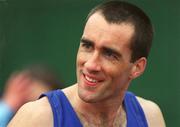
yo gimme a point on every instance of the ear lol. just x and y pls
(138, 67)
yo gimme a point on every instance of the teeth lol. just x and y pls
(90, 79)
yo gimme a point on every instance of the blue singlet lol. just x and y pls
(65, 116)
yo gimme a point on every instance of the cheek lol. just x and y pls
(80, 58)
(78, 61)
(119, 74)
(111, 69)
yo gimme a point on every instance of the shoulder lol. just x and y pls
(37, 113)
(70, 92)
(152, 112)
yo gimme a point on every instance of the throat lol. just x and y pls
(117, 119)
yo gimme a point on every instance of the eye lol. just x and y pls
(108, 53)
(86, 45)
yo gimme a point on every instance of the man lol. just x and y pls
(113, 51)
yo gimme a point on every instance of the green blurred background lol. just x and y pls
(48, 31)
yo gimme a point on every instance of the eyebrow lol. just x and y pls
(84, 40)
(104, 48)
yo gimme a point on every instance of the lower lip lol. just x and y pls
(88, 83)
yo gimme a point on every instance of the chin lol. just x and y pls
(86, 95)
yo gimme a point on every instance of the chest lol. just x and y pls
(118, 121)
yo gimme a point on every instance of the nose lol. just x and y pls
(93, 63)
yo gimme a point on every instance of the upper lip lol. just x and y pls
(94, 77)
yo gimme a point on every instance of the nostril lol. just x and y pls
(92, 66)
(93, 62)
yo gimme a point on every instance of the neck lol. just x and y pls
(103, 119)
(102, 114)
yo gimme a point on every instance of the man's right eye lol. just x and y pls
(86, 45)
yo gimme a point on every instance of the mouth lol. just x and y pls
(91, 81)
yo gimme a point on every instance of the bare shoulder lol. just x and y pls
(37, 114)
(152, 112)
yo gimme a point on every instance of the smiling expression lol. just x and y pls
(103, 60)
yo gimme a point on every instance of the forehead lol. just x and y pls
(99, 30)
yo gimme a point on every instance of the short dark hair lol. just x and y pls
(118, 12)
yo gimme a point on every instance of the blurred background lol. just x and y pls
(48, 31)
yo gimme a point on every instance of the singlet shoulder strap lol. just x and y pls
(135, 113)
(63, 113)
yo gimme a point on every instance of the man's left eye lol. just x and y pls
(110, 55)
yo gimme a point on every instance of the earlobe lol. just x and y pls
(138, 67)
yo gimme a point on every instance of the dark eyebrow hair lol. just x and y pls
(84, 40)
(108, 49)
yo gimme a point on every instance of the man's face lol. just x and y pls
(103, 60)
